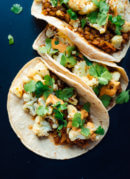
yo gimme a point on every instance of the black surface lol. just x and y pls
(110, 159)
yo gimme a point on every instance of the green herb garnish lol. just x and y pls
(69, 50)
(54, 3)
(88, 62)
(63, 1)
(100, 131)
(30, 86)
(118, 21)
(123, 97)
(60, 106)
(40, 88)
(42, 110)
(86, 106)
(72, 14)
(83, 22)
(105, 100)
(16, 8)
(11, 39)
(68, 61)
(65, 94)
(85, 131)
(77, 121)
(48, 81)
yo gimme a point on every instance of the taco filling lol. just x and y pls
(104, 80)
(101, 23)
(56, 109)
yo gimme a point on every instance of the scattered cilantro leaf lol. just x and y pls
(69, 50)
(41, 110)
(54, 3)
(92, 17)
(11, 39)
(72, 14)
(68, 61)
(88, 62)
(48, 44)
(63, 1)
(40, 88)
(100, 131)
(123, 97)
(47, 93)
(56, 42)
(118, 21)
(42, 49)
(60, 106)
(63, 60)
(105, 100)
(85, 131)
(16, 8)
(86, 106)
(77, 121)
(65, 94)
(48, 80)
(58, 115)
(83, 22)
(30, 86)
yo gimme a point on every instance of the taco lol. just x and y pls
(99, 28)
(53, 115)
(106, 79)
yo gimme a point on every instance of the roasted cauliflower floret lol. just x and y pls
(41, 127)
(90, 82)
(116, 76)
(116, 41)
(76, 134)
(117, 6)
(71, 111)
(18, 90)
(126, 27)
(82, 6)
(80, 69)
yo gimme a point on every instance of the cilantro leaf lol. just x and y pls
(47, 93)
(63, 1)
(69, 50)
(92, 17)
(16, 8)
(86, 106)
(40, 88)
(85, 131)
(58, 115)
(41, 110)
(88, 62)
(123, 97)
(96, 2)
(100, 131)
(96, 90)
(102, 81)
(65, 94)
(105, 77)
(72, 14)
(60, 106)
(47, 47)
(101, 20)
(93, 71)
(63, 60)
(68, 61)
(48, 80)
(83, 22)
(11, 39)
(118, 21)
(105, 100)
(54, 3)
(42, 49)
(77, 121)
(48, 44)
(30, 86)
(56, 42)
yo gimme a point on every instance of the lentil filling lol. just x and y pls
(101, 41)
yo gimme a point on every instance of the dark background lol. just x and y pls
(109, 160)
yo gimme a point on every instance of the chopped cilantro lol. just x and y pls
(47, 47)
(56, 42)
(11, 39)
(54, 2)
(40, 88)
(63, 1)
(60, 106)
(86, 106)
(118, 21)
(69, 50)
(72, 14)
(30, 86)
(65, 94)
(123, 97)
(16, 8)
(63, 60)
(100, 131)
(96, 90)
(58, 115)
(99, 17)
(48, 80)
(68, 61)
(77, 121)
(83, 22)
(85, 131)
(105, 77)
(105, 100)
(41, 110)
(42, 49)
(88, 62)
(47, 93)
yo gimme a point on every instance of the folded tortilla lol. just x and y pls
(20, 120)
(87, 49)
(40, 40)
